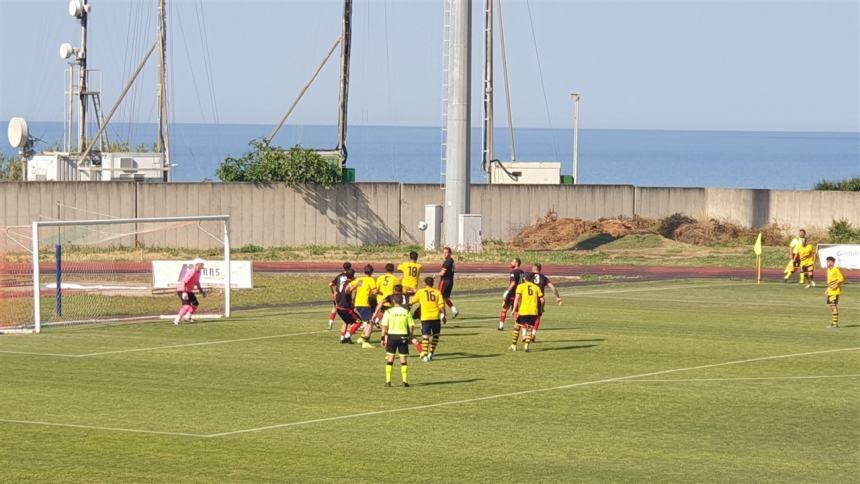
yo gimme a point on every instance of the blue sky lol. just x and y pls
(701, 65)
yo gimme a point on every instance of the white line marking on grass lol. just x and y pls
(34, 353)
(661, 288)
(784, 305)
(202, 343)
(93, 427)
(761, 378)
(165, 347)
(523, 392)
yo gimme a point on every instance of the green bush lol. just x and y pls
(248, 249)
(842, 232)
(11, 168)
(847, 185)
(266, 163)
(671, 223)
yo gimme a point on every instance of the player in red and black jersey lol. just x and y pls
(543, 282)
(337, 285)
(446, 279)
(345, 306)
(515, 278)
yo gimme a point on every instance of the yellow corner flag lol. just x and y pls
(757, 250)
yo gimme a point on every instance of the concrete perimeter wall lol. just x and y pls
(387, 213)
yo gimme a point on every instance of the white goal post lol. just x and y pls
(126, 228)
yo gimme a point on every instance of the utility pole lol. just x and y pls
(162, 143)
(82, 81)
(575, 97)
(487, 149)
(457, 176)
(345, 46)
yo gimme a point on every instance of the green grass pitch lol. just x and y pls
(677, 381)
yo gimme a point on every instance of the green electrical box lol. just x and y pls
(567, 179)
(348, 175)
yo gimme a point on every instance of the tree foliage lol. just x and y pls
(266, 163)
(846, 185)
(11, 168)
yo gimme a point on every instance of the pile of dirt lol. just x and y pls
(724, 233)
(619, 227)
(551, 232)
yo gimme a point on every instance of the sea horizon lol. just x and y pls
(628, 156)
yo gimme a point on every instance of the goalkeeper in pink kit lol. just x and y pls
(185, 291)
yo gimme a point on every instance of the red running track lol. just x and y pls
(648, 272)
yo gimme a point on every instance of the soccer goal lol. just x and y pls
(67, 272)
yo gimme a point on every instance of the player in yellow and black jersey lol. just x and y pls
(411, 271)
(835, 279)
(384, 288)
(363, 288)
(431, 306)
(527, 303)
(806, 254)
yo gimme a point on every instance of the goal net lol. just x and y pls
(105, 271)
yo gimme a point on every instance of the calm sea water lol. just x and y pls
(638, 157)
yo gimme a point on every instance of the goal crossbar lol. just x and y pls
(143, 220)
(37, 315)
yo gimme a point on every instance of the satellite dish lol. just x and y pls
(66, 50)
(18, 133)
(76, 8)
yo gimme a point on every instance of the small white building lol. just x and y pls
(526, 173)
(120, 166)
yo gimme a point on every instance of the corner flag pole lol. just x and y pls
(757, 249)
(758, 269)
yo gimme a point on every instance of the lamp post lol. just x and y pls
(575, 97)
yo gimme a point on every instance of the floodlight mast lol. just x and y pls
(487, 151)
(457, 176)
(81, 9)
(163, 138)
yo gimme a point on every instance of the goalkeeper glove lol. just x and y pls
(184, 296)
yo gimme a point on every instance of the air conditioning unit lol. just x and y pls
(128, 164)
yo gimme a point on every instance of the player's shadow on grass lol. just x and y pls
(448, 335)
(460, 355)
(448, 382)
(575, 340)
(850, 325)
(564, 348)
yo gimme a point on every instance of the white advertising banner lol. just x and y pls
(847, 255)
(167, 273)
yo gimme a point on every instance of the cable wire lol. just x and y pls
(540, 73)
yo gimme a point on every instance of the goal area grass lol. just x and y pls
(671, 381)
